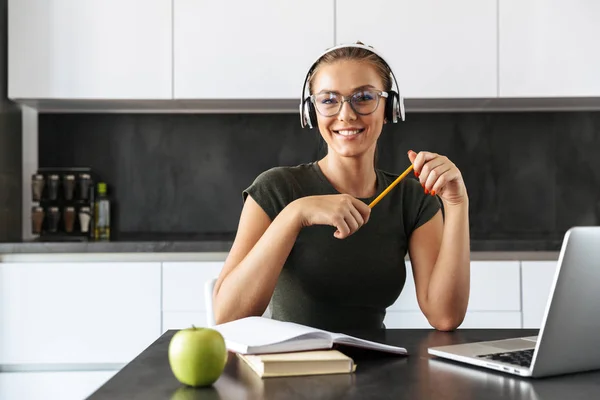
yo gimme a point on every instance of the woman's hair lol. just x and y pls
(357, 54)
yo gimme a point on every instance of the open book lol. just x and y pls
(260, 335)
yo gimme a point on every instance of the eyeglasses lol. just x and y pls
(363, 102)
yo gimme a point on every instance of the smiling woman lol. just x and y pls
(308, 243)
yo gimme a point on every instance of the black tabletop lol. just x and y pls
(378, 376)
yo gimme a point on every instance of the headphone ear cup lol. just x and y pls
(308, 114)
(392, 107)
(389, 106)
(312, 113)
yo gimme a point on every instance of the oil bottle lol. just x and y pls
(102, 214)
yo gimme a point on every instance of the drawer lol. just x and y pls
(495, 286)
(78, 312)
(473, 320)
(183, 284)
(538, 278)
(183, 319)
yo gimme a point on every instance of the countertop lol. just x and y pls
(377, 376)
(221, 243)
(138, 243)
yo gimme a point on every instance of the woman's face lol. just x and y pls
(348, 133)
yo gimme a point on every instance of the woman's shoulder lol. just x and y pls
(409, 183)
(276, 187)
(283, 175)
(414, 204)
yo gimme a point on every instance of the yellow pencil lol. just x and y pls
(387, 190)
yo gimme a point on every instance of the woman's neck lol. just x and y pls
(352, 175)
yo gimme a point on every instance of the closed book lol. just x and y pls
(319, 362)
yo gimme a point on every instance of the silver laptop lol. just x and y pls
(569, 338)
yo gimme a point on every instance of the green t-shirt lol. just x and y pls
(338, 284)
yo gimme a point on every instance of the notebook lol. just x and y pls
(261, 335)
(317, 362)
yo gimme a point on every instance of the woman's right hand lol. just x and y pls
(342, 211)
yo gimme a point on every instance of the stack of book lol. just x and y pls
(274, 348)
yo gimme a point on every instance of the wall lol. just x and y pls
(10, 148)
(530, 176)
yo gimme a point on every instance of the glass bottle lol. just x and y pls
(102, 214)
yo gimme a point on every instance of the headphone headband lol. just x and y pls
(396, 99)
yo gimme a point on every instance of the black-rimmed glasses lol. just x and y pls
(363, 102)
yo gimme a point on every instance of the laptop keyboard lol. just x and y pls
(521, 358)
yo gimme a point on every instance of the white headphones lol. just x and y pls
(394, 104)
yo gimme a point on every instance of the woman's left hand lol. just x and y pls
(438, 175)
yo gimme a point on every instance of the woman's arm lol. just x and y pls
(440, 258)
(259, 251)
(440, 249)
(247, 281)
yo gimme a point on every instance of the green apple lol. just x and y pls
(197, 356)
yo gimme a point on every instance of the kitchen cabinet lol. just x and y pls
(73, 313)
(258, 49)
(495, 286)
(549, 48)
(473, 320)
(71, 49)
(78, 312)
(215, 55)
(494, 301)
(183, 302)
(436, 49)
(538, 278)
(183, 319)
(72, 385)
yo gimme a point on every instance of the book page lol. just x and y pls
(261, 332)
(366, 344)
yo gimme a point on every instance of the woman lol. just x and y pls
(307, 241)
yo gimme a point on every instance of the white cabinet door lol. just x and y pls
(73, 313)
(494, 301)
(183, 302)
(258, 49)
(73, 49)
(405, 320)
(437, 49)
(549, 48)
(183, 319)
(473, 320)
(538, 277)
(75, 385)
(495, 286)
(407, 301)
(492, 320)
(183, 284)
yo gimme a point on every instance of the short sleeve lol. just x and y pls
(272, 190)
(419, 207)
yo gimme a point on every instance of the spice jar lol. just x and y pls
(52, 187)
(69, 218)
(37, 187)
(85, 181)
(85, 216)
(53, 217)
(68, 186)
(37, 220)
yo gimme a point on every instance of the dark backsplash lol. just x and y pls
(530, 176)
